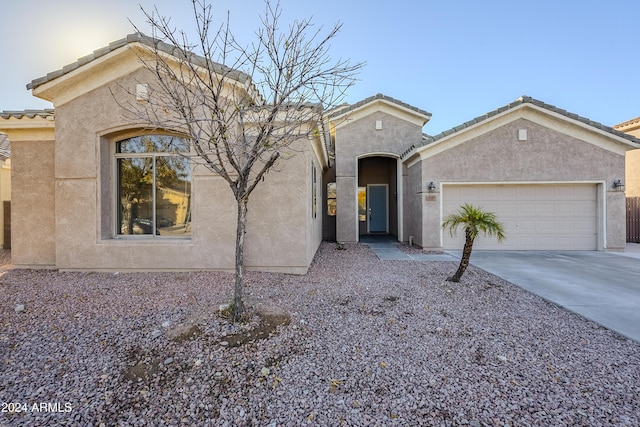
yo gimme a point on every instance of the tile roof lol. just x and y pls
(30, 114)
(631, 122)
(428, 139)
(346, 109)
(135, 38)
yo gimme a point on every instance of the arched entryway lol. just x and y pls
(378, 196)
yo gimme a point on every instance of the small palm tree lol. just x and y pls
(475, 221)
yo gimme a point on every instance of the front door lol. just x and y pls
(377, 208)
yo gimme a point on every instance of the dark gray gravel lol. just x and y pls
(370, 343)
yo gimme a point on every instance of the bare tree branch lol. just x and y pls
(243, 108)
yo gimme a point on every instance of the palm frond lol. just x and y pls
(476, 220)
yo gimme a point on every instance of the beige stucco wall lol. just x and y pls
(31, 137)
(281, 233)
(357, 139)
(495, 155)
(632, 174)
(33, 203)
(413, 203)
(5, 196)
(5, 180)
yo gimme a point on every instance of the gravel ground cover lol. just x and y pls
(368, 343)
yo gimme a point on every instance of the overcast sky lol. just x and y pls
(457, 59)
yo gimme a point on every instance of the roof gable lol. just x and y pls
(536, 111)
(119, 58)
(380, 102)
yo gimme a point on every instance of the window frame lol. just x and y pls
(332, 200)
(116, 156)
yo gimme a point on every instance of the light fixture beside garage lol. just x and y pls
(431, 188)
(618, 185)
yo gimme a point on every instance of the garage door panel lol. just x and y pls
(585, 227)
(542, 208)
(543, 226)
(535, 217)
(583, 205)
(507, 208)
(569, 210)
(508, 191)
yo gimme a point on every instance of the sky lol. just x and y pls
(457, 59)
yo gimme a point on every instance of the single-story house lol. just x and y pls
(83, 199)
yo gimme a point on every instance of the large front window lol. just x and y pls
(154, 186)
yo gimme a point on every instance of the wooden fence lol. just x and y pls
(633, 219)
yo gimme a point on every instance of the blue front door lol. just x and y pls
(377, 208)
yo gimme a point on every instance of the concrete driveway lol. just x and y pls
(603, 287)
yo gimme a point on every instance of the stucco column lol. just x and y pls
(431, 220)
(616, 230)
(346, 211)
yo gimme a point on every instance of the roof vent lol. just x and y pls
(522, 134)
(142, 92)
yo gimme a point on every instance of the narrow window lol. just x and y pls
(362, 204)
(153, 186)
(331, 199)
(314, 191)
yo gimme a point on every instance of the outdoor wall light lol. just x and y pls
(431, 187)
(618, 185)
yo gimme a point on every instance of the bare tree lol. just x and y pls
(243, 108)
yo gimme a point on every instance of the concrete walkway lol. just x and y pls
(601, 286)
(386, 248)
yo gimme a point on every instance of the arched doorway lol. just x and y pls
(378, 196)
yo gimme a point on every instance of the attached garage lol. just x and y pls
(534, 216)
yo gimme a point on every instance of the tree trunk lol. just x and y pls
(238, 305)
(466, 255)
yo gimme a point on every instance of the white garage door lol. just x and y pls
(535, 217)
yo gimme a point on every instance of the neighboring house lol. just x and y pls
(632, 167)
(79, 202)
(5, 191)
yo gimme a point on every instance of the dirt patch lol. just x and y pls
(141, 368)
(186, 332)
(271, 317)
